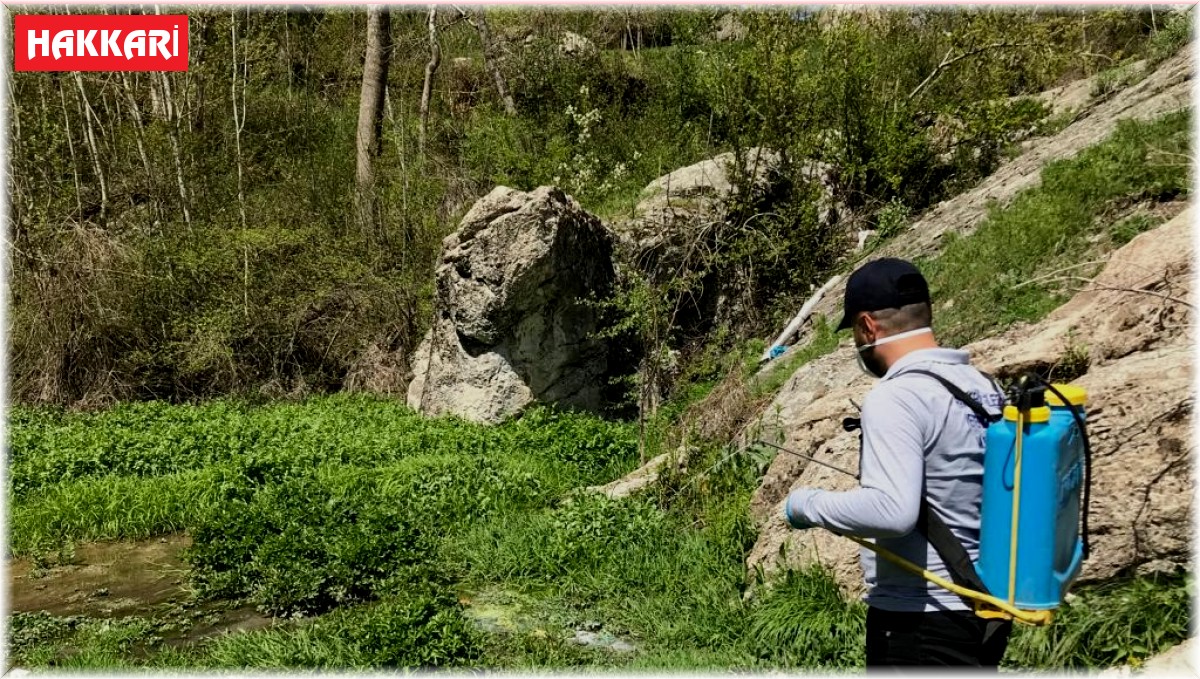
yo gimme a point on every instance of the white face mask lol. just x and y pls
(892, 338)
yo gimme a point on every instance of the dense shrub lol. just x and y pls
(306, 544)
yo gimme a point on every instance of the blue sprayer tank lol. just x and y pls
(1049, 548)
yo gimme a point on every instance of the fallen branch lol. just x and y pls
(805, 311)
(1152, 293)
(1092, 285)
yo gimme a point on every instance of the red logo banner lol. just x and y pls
(100, 42)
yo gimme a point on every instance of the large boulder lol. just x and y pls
(730, 28)
(575, 45)
(679, 208)
(677, 213)
(1135, 320)
(514, 324)
(679, 219)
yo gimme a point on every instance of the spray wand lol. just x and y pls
(810, 458)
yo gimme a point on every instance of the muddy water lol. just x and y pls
(104, 579)
(120, 579)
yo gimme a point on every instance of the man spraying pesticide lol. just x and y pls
(967, 509)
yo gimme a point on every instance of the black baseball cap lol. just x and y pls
(887, 283)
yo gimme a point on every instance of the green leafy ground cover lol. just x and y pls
(380, 550)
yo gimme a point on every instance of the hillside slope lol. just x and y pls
(1166, 89)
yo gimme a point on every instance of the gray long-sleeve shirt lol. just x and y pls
(916, 438)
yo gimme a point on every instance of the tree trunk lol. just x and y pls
(435, 58)
(161, 98)
(157, 107)
(491, 60)
(71, 147)
(239, 116)
(239, 124)
(16, 175)
(196, 111)
(370, 112)
(173, 136)
(401, 154)
(139, 135)
(85, 110)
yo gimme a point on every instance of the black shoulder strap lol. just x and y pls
(984, 416)
(929, 524)
(950, 548)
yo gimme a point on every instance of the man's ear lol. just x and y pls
(867, 326)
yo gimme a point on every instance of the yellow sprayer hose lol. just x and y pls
(1016, 513)
(1028, 617)
(1005, 608)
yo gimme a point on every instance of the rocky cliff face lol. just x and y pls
(514, 324)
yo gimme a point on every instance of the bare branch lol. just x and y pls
(1054, 275)
(491, 56)
(1152, 293)
(1092, 285)
(948, 61)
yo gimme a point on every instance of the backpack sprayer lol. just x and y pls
(1036, 486)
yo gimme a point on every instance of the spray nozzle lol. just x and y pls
(1030, 393)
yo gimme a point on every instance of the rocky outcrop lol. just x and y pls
(678, 208)
(730, 28)
(677, 223)
(641, 478)
(1180, 660)
(575, 45)
(1133, 323)
(514, 324)
(1177, 661)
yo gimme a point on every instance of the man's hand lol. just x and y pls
(793, 508)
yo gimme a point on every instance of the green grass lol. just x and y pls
(43, 640)
(426, 630)
(1117, 78)
(149, 468)
(298, 509)
(805, 621)
(107, 508)
(1175, 32)
(980, 283)
(140, 440)
(1120, 622)
(384, 554)
(1127, 229)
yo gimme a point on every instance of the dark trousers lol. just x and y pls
(956, 638)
